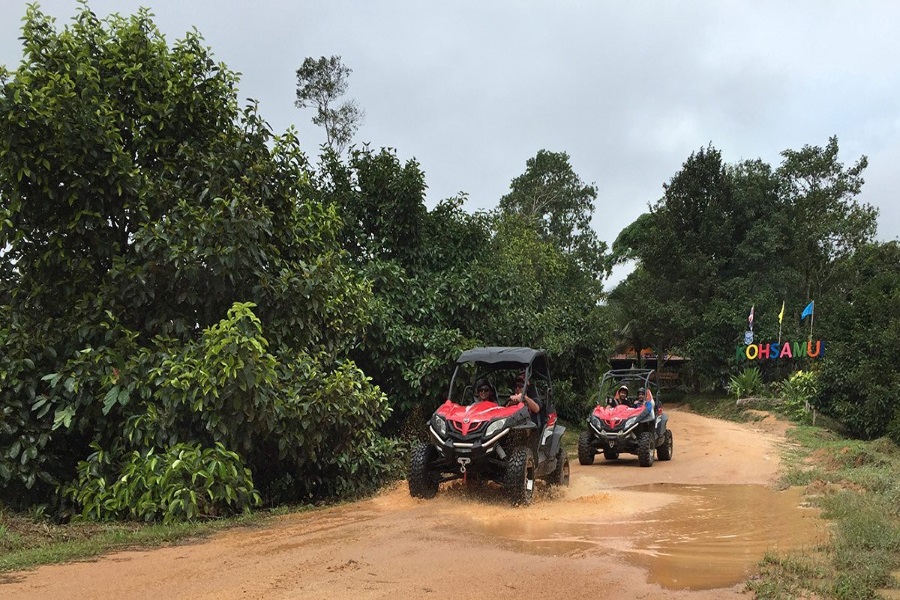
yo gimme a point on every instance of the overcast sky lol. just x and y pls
(472, 89)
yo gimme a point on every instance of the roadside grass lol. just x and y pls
(716, 405)
(26, 542)
(856, 483)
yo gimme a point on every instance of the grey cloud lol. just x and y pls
(629, 90)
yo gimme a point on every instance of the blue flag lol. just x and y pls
(807, 311)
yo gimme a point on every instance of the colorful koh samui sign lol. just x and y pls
(775, 350)
(779, 349)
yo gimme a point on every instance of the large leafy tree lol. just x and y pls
(827, 222)
(419, 263)
(683, 248)
(859, 374)
(168, 275)
(554, 263)
(381, 203)
(559, 205)
(725, 237)
(444, 279)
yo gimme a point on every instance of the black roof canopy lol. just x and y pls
(505, 357)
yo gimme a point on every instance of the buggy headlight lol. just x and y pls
(630, 422)
(440, 425)
(494, 427)
(595, 420)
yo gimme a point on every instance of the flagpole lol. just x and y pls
(780, 319)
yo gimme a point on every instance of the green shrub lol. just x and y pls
(798, 391)
(747, 383)
(571, 405)
(184, 483)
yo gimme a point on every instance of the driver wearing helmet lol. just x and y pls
(621, 396)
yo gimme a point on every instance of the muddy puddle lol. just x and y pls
(686, 536)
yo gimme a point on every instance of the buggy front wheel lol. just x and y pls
(645, 449)
(422, 481)
(586, 450)
(519, 480)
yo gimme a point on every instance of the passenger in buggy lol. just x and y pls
(645, 399)
(529, 397)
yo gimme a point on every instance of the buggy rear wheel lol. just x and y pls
(586, 450)
(519, 480)
(560, 475)
(422, 481)
(664, 452)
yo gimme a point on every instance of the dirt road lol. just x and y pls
(692, 527)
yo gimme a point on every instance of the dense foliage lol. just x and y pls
(444, 280)
(745, 384)
(725, 238)
(183, 483)
(860, 378)
(141, 211)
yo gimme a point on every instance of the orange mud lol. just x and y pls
(692, 527)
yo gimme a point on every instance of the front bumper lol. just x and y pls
(473, 449)
(615, 439)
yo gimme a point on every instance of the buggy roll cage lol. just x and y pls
(615, 378)
(490, 359)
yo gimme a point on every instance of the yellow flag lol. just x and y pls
(781, 314)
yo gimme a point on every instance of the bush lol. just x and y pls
(569, 404)
(798, 391)
(184, 483)
(747, 383)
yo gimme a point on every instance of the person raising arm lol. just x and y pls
(520, 395)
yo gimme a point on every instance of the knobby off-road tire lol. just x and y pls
(610, 454)
(586, 450)
(664, 452)
(560, 475)
(519, 480)
(422, 482)
(645, 449)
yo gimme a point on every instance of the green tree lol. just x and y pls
(827, 222)
(682, 248)
(425, 268)
(141, 209)
(542, 297)
(381, 203)
(701, 252)
(444, 280)
(320, 84)
(553, 197)
(725, 237)
(859, 373)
